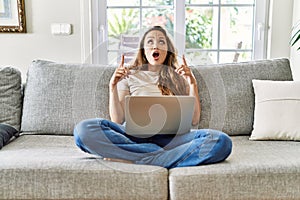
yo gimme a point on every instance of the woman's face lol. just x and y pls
(156, 47)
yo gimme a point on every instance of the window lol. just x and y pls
(206, 31)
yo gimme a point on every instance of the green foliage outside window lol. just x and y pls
(198, 27)
(122, 25)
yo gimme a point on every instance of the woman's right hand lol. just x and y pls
(120, 73)
(117, 98)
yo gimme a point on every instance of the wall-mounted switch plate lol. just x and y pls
(61, 29)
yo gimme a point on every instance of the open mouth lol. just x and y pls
(155, 55)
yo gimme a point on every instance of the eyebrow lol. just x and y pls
(161, 37)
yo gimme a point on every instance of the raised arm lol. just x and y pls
(187, 73)
(117, 98)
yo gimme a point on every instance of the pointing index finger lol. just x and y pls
(184, 61)
(122, 61)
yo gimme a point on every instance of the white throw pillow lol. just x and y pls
(277, 110)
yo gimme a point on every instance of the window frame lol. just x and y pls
(99, 30)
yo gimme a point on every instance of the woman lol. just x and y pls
(155, 71)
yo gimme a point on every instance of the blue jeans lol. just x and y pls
(107, 139)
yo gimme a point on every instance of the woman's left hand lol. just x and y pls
(186, 72)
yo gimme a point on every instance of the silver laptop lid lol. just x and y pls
(150, 115)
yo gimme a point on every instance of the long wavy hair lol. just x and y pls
(169, 82)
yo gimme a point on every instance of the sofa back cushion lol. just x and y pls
(226, 92)
(10, 96)
(57, 96)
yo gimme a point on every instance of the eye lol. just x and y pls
(150, 42)
(162, 42)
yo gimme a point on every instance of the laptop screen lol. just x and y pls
(150, 115)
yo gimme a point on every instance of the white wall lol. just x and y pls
(281, 15)
(295, 55)
(38, 43)
(281, 18)
(20, 49)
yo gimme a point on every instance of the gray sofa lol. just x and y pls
(44, 163)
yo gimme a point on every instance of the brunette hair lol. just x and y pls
(169, 82)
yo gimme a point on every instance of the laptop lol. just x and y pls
(151, 115)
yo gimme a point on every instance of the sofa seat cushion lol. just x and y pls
(52, 167)
(254, 170)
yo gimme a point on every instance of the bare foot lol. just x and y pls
(117, 160)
